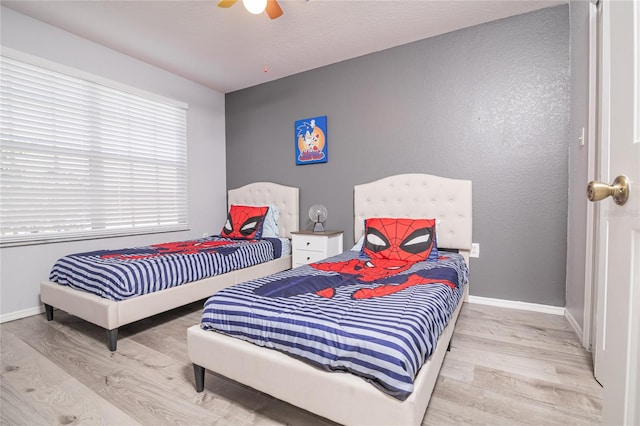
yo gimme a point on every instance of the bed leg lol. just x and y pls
(198, 372)
(49, 311)
(449, 346)
(112, 339)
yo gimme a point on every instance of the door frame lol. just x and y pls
(593, 159)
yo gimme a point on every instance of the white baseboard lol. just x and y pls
(512, 304)
(12, 316)
(576, 328)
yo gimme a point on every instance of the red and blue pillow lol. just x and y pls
(244, 222)
(409, 240)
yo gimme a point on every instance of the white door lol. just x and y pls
(618, 257)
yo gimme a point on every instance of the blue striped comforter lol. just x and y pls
(123, 274)
(379, 326)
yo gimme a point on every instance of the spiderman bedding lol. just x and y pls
(123, 274)
(376, 318)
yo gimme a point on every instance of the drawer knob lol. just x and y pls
(308, 243)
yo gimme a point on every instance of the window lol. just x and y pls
(83, 158)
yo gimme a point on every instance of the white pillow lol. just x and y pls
(270, 226)
(358, 245)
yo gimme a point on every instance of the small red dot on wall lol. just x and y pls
(266, 69)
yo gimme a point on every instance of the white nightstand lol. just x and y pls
(309, 246)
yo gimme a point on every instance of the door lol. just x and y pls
(618, 255)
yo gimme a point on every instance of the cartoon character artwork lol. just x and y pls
(386, 273)
(411, 240)
(311, 140)
(393, 246)
(156, 250)
(244, 222)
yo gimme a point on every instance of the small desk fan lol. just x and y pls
(318, 214)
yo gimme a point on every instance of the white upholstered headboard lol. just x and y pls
(416, 195)
(286, 198)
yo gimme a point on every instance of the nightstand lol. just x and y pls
(309, 246)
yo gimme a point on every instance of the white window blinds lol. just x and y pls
(80, 159)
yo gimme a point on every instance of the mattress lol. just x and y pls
(380, 325)
(123, 274)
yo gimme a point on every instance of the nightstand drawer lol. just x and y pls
(301, 257)
(310, 247)
(309, 242)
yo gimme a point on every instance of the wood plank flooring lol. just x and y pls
(505, 367)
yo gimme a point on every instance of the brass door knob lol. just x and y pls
(597, 191)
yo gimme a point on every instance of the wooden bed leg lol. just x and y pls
(49, 310)
(112, 339)
(199, 375)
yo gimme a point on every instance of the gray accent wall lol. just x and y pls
(488, 103)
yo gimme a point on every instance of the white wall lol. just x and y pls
(22, 268)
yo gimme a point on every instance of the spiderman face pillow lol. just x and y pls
(244, 222)
(409, 240)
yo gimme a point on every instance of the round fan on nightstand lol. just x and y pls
(318, 214)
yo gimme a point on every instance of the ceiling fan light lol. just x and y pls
(255, 6)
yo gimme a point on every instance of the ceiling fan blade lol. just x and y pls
(273, 9)
(226, 3)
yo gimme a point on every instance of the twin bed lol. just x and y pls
(347, 398)
(112, 314)
(380, 330)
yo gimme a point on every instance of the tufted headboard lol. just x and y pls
(286, 198)
(416, 195)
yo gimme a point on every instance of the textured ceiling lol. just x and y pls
(228, 49)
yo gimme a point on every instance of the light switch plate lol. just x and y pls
(475, 250)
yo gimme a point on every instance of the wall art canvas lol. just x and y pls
(311, 140)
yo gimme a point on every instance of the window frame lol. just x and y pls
(181, 177)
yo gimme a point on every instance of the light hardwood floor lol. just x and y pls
(505, 367)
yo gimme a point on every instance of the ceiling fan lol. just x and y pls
(257, 6)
